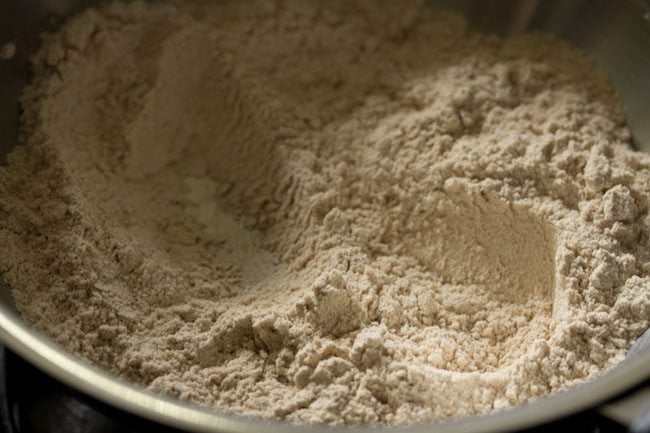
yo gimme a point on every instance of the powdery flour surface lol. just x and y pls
(326, 212)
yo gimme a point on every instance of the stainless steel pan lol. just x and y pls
(615, 32)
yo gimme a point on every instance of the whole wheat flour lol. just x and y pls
(326, 212)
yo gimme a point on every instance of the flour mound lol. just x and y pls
(325, 212)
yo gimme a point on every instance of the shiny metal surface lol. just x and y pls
(616, 33)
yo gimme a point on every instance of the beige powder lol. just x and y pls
(340, 212)
(7, 51)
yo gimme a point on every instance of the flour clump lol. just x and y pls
(325, 212)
